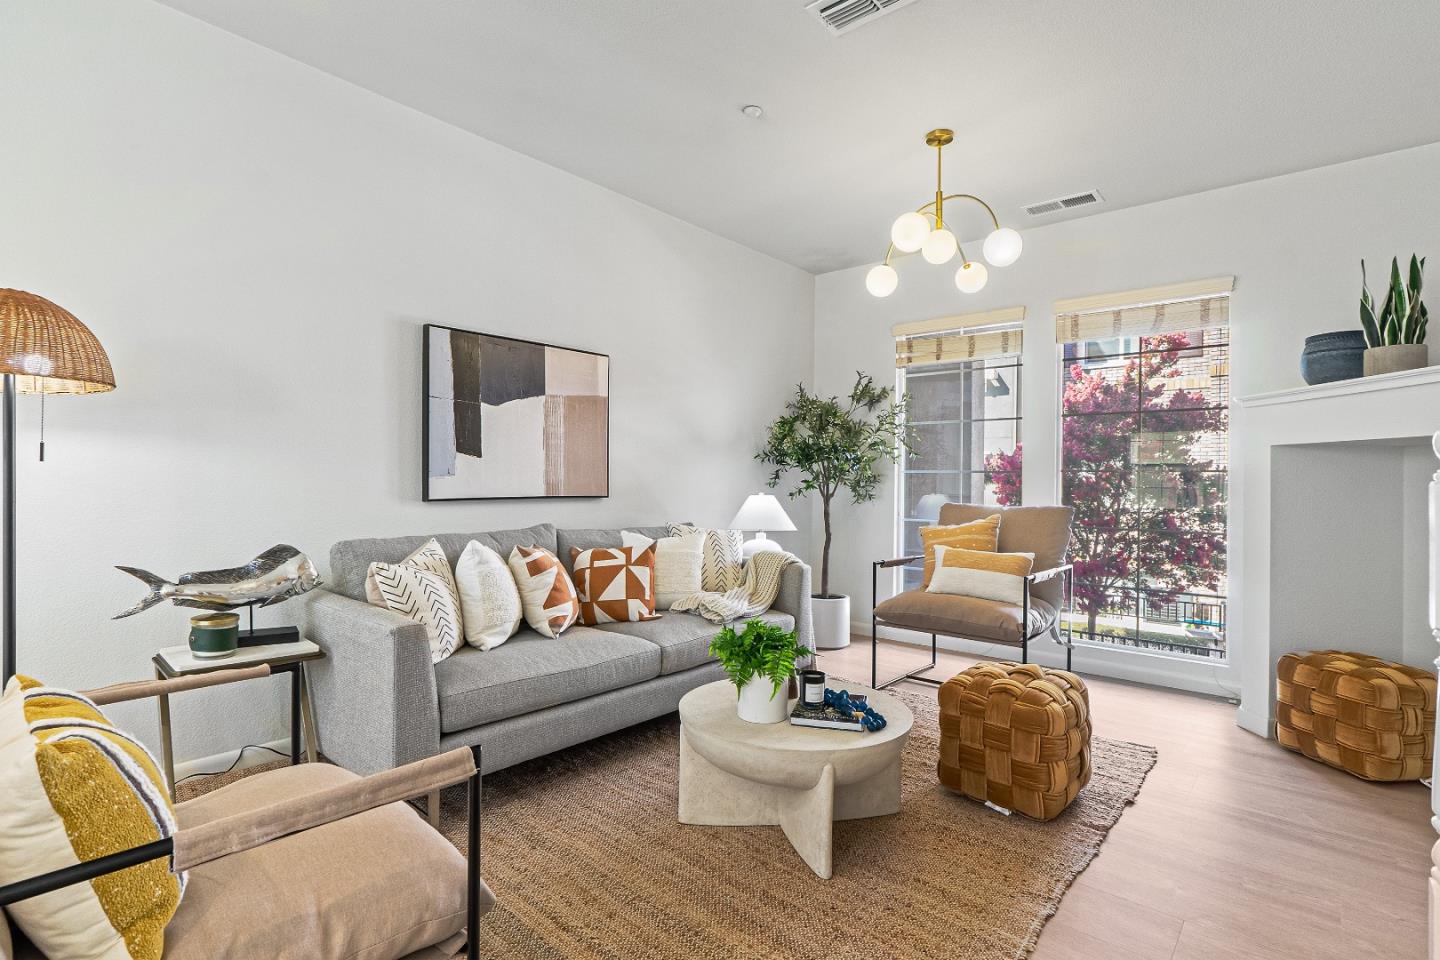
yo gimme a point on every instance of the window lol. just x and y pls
(964, 414)
(1144, 461)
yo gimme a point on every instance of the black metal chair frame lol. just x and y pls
(100, 866)
(1065, 571)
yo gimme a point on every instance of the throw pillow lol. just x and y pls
(981, 573)
(615, 584)
(546, 594)
(723, 565)
(489, 600)
(76, 788)
(678, 564)
(422, 588)
(982, 534)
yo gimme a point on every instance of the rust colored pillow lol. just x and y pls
(615, 584)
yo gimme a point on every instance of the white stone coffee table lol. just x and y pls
(734, 773)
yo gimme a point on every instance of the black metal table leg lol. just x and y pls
(295, 734)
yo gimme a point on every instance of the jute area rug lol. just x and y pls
(585, 856)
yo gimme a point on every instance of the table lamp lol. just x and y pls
(928, 508)
(760, 513)
(43, 349)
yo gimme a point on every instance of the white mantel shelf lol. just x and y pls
(1342, 388)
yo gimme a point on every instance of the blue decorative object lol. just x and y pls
(1328, 357)
(869, 718)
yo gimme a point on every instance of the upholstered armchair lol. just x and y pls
(1048, 590)
(305, 861)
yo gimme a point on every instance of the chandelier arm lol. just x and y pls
(995, 221)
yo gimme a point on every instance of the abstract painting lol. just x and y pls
(513, 418)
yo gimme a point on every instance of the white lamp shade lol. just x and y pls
(939, 246)
(761, 511)
(909, 231)
(1003, 246)
(882, 280)
(929, 507)
(971, 276)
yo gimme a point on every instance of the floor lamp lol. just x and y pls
(43, 349)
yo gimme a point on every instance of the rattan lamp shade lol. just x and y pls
(48, 349)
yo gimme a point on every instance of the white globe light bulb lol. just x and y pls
(882, 280)
(939, 246)
(1003, 246)
(909, 231)
(971, 277)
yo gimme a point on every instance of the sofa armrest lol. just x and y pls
(374, 691)
(794, 599)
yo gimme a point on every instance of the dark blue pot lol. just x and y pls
(1333, 356)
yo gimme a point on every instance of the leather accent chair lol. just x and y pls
(1049, 590)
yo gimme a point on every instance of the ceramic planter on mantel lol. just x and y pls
(1396, 357)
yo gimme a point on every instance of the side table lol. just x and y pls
(288, 658)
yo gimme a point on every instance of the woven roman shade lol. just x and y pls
(969, 336)
(48, 349)
(1199, 305)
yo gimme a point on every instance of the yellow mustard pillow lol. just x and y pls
(981, 573)
(75, 788)
(982, 534)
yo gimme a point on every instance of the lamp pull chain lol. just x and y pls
(42, 426)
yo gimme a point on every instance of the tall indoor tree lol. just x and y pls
(1126, 535)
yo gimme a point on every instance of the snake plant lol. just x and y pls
(1403, 316)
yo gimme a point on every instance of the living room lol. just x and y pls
(348, 288)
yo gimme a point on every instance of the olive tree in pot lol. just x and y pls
(1395, 336)
(835, 445)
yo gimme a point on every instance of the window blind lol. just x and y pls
(1198, 305)
(970, 336)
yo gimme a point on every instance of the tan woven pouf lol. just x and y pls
(1015, 735)
(1363, 715)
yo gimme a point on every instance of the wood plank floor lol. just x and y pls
(1235, 848)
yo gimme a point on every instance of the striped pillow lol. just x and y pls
(422, 588)
(546, 593)
(982, 534)
(722, 567)
(615, 584)
(75, 788)
(981, 573)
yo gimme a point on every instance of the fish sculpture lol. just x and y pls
(276, 575)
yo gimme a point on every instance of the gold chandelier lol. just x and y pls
(923, 230)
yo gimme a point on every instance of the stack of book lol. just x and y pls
(828, 717)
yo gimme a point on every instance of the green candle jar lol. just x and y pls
(215, 635)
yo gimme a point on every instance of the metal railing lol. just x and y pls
(1128, 621)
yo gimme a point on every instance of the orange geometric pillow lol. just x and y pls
(616, 584)
(547, 597)
(982, 534)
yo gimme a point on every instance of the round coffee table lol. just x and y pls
(734, 773)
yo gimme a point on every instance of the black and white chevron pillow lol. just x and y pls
(722, 568)
(422, 596)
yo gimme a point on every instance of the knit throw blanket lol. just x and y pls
(752, 598)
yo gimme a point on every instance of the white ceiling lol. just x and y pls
(1144, 99)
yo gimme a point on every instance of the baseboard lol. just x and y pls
(1261, 726)
(1209, 679)
(220, 762)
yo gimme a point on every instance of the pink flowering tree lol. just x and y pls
(1145, 499)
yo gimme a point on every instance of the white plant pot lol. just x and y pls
(831, 616)
(757, 706)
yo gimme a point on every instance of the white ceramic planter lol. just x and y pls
(757, 706)
(831, 616)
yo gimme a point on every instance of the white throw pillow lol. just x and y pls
(981, 573)
(678, 564)
(489, 600)
(422, 588)
(723, 564)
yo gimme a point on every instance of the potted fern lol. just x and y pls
(1395, 336)
(760, 661)
(835, 445)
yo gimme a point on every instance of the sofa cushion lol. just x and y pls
(531, 672)
(376, 886)
(588, 538)
(683, 638)
(1043, 531)
(968, 617)
(350, 559)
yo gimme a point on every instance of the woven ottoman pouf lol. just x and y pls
(1366, 716)
(1017, 736)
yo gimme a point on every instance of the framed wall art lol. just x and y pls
(507, 418)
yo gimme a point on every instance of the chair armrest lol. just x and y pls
(144, 689)
(1039, 576)
(374, 691)
(245, 831)
(897, 561)
(794, 598)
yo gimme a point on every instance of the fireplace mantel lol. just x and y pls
(1330, 480)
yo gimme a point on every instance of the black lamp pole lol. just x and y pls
(9, 558)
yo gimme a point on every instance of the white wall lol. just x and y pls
(257, 244)
(1293, 244)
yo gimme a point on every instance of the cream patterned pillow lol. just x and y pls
(489, 600)
(981, 573)
(422, 588)
(546, 593)
(678, 564)
(74, 788)
(723, 565)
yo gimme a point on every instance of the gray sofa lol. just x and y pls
(381, 703)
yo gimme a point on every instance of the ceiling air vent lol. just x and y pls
(845, 15)
(1085, 199)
